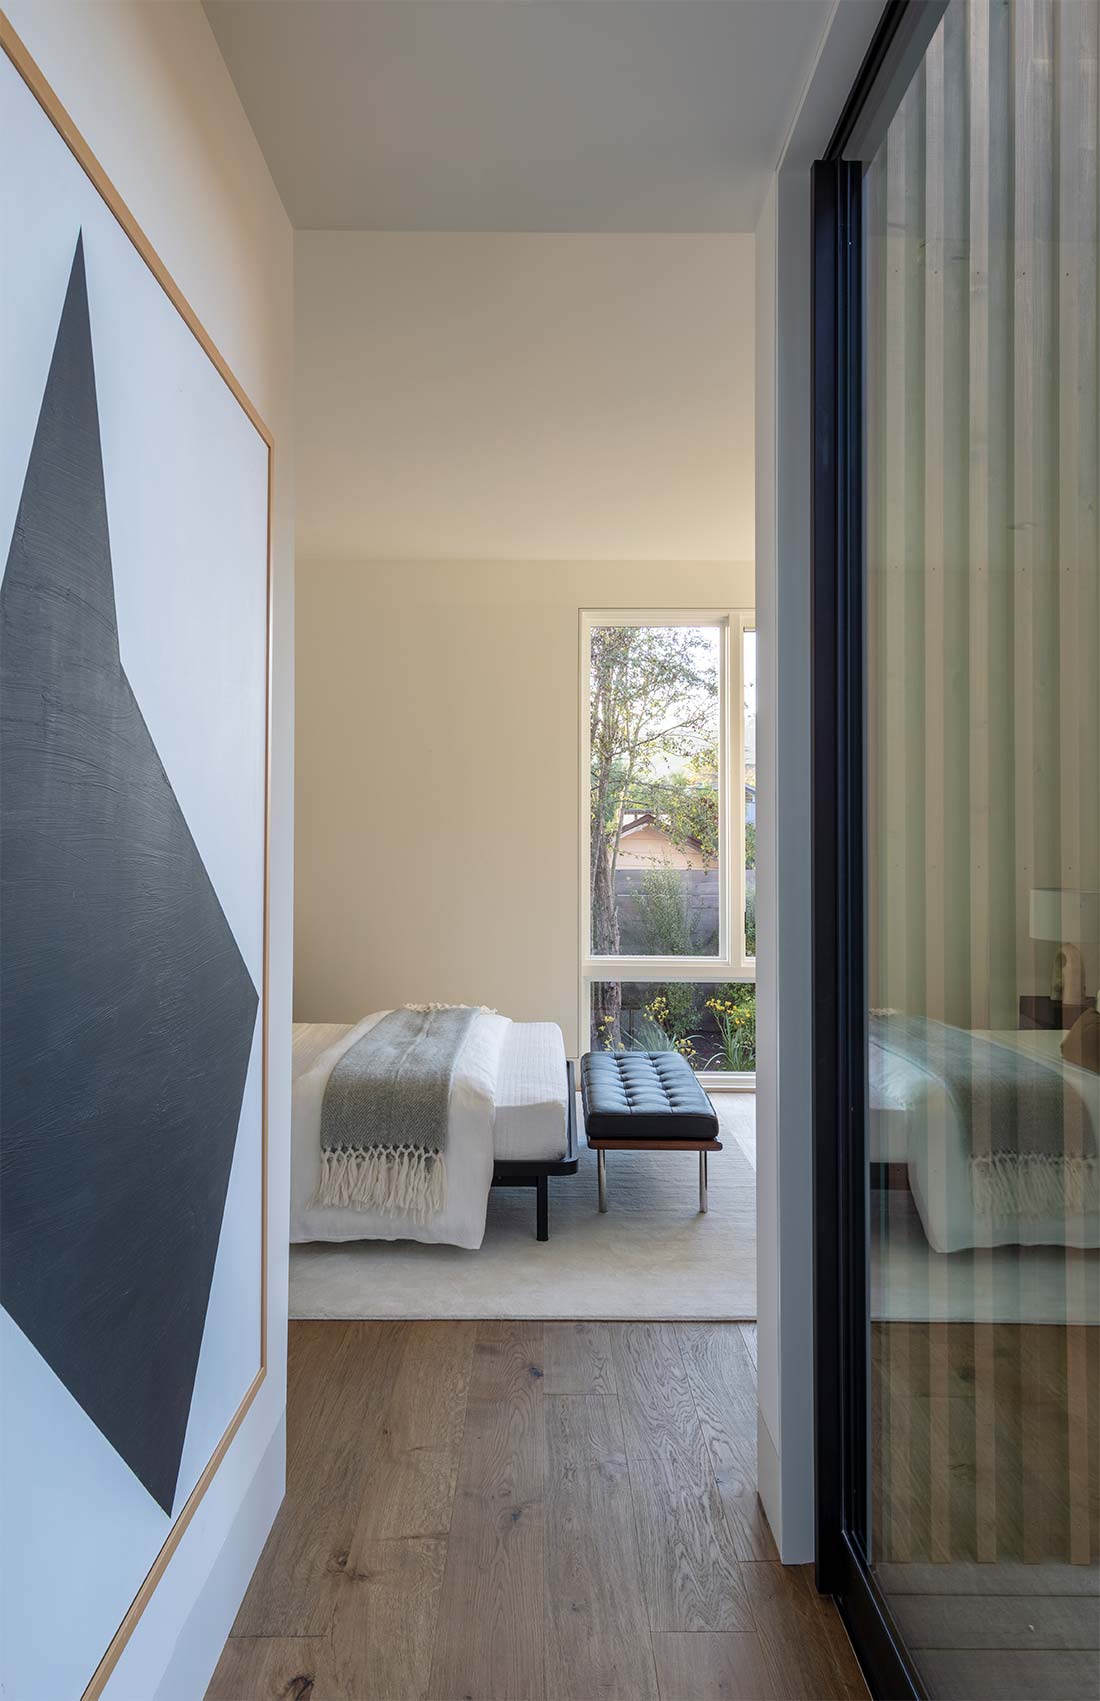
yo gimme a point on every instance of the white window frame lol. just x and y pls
(732, 963)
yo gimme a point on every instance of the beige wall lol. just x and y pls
(507, 397)
(491, 428)
(150, 92)
(438, 776)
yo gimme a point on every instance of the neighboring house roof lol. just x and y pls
(645, 843)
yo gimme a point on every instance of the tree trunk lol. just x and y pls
(606, 995)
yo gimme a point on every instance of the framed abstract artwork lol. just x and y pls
(135, 620)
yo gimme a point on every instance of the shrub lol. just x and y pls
(663, 913)
(734, 1010)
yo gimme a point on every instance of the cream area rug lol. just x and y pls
(652, 1256)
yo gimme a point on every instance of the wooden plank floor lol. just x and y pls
(527, 1512)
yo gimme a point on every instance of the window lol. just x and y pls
(711, 1023)
(668, 812)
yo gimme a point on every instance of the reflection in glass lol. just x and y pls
(983, 854)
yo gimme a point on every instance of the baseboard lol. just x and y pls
(200, 1642)
(769, 1481)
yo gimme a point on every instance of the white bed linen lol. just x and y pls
(469, 1147)
(913, 1121)
(532, 1094)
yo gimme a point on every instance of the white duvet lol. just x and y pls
(461, 1222)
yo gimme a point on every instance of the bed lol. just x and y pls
(916, 1121)
(512, 1123)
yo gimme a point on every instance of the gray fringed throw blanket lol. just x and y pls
(385, 1114)
(1030, 1131)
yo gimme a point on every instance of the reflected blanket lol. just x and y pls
(1031, 1137)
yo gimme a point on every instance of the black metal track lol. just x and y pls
(899, 43)
(839, 976)
(836, 690)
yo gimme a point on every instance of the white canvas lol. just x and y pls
(186, 481)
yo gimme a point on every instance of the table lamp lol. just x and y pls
(1072, 919)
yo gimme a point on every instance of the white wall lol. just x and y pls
(148, 89)
(438, 766)
(767, 885)
(500, 397)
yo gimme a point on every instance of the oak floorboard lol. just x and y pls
(270, 1668)
(597, 1627)
(411, 1483)
(384, 1624)
(723, 1382)
(489, 1643)
(693, 1579)
(311, 1359)
(805, 1648)
(291, 1593)
(455, 1530)
(309, 1350)
(579, 1359)
(712, 1666)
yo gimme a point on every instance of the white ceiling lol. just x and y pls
(520, 115)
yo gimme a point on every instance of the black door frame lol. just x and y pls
(839, 980)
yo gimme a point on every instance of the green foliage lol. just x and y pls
(663, 1024)
(750, 924)
(750, 844)
(666, 1021)
(653, 694)
(653, 697)
(681, 1002)
(734, 1010)
(647, 1034)
(686, 805)
(663, 911)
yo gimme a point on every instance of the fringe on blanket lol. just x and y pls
(1034, 1184)
(400, 1181)
(482, 1009)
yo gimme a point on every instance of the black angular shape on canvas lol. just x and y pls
(128, 1012)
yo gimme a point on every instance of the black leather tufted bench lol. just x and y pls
(646, 1101)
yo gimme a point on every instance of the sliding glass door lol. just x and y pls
(957, 577)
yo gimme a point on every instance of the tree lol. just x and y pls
(654, 690)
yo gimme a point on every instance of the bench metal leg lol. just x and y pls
(542, 1210)
(601, 1173)
(703, 1182)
